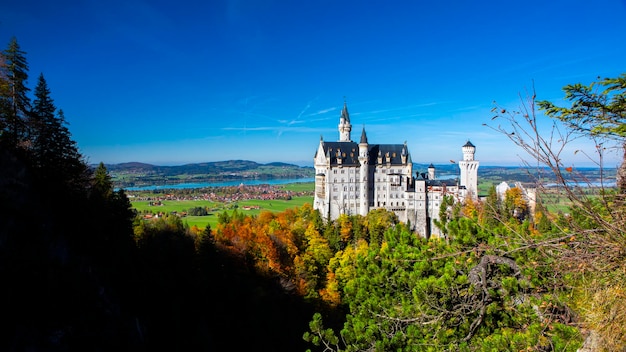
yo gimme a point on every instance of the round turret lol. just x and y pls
(468, 151)
(431, 172)
(469, 170)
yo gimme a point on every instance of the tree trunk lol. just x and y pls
(621, 174)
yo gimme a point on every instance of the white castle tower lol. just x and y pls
(431, 172)
(469, 171)
(344, 125)
(364, 174)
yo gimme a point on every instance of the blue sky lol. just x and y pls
(191, 81)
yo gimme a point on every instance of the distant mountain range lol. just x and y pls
(207, 168)
(137, 173)
(235, 166)
(242, 167)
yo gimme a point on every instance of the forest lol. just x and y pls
(81, 271)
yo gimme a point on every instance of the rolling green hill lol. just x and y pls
(138, 174)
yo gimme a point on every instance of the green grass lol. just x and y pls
(556, 201)
(300, 186)
(275, 206)
(201, 221)
(173, 205)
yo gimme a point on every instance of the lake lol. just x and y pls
(246, 182)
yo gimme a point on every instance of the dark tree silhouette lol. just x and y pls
(14, 101)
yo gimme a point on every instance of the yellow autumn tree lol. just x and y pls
(310, 266)
(341, 269)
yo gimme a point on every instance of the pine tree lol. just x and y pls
(42, 125)
(4, 93)
(74, 166)
(102, 186)
(14, 102)
(54, 152)
(492, 212)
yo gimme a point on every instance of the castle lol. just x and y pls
(354, 178)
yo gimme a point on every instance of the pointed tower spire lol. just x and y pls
(344, 112)
(344, 124)
(364, 168)
(363, 136)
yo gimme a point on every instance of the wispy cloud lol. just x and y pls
(236, 112)
(308, 105)
(323, 111)
(288, 123)
(279, 129)
(401, 108)
(262, 128)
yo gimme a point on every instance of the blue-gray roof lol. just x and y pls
(349, 153)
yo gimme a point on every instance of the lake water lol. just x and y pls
(246, 182)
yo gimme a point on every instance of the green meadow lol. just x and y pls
(553, 201)
(215, 208)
